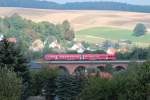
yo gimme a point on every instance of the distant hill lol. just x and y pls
(29, 4)
(81, 19)
(75, 5)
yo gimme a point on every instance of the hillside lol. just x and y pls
(82, 19)
(75, 5)
(99, 34)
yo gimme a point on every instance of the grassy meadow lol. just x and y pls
(98, 34)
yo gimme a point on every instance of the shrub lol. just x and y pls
(10, 85)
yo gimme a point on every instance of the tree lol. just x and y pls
(139, 53)
(143, 78)
(43, 82)
(10, 85)
(69, 35)
(148, 53)
(139, 30)
(50, 84)
(12, 57)
(46, 30)
(97, 89)
(68, 32)
(68, 87)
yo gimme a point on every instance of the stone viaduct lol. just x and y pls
(73, 66)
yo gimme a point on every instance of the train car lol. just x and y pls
(74, 57)
(88, 56)
(112, 57)
(101, 57)
(52, 57)
(98, 57)
(69, 56)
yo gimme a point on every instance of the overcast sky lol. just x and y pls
(140, 2)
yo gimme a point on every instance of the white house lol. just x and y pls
(78, 47)
(1, 37)
(55, 45)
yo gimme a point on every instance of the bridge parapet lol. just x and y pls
(93, 62)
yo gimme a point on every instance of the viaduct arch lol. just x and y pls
(81, 66)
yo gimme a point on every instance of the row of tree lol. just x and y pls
(136, 53)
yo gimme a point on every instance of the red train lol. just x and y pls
(74, 57)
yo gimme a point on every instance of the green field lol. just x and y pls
(97, 34)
